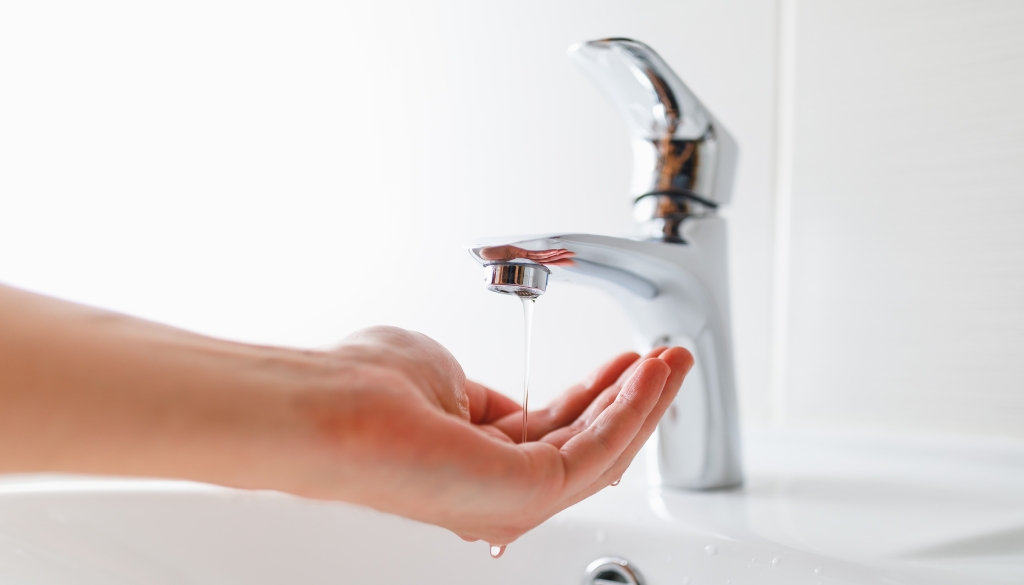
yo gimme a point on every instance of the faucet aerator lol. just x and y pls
(525, 280)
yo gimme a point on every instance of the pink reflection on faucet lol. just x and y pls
(553, 257)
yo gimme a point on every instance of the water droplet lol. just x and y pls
(710, 549)
(616, 482)
(776, 561)
(601, 536)
(497, 550)
(753, 560)
(817, 570)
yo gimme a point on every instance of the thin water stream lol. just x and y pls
(497, 550)
(528, 303)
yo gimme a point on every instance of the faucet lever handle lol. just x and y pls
(683, 159)
(643, 88)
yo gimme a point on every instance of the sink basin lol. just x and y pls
(816, 508)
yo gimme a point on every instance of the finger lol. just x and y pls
(560, 434)
(681, 362)
(486, 405)
(659, 352)
(567, 407)
(590, 453)
(574, 401)
(607, 397)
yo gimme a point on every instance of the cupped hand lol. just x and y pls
(404, 432)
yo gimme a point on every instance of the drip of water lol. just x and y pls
(616, 482)
(497, 550)
(528, 302)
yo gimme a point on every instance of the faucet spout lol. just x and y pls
(674, 295)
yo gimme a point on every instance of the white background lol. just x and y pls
(289, 172)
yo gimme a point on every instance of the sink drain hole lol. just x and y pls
(612, 571)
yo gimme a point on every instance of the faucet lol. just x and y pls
(672, 280)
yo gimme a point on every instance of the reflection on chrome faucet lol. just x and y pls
(674, 285)
(553, 257)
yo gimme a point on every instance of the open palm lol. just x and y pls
(448, 451)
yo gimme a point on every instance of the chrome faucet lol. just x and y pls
(672, 281)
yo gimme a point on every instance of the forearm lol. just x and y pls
(89, 391)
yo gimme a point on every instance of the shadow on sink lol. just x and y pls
(1004, 543)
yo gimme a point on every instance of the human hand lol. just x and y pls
(387, 420)
(406, 433)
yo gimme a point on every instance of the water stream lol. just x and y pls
(528, 303)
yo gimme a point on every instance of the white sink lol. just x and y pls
(817, 508)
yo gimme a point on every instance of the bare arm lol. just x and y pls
(89, 391)
(386, 420)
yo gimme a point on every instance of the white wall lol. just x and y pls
(906, 305)
(289, 172)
